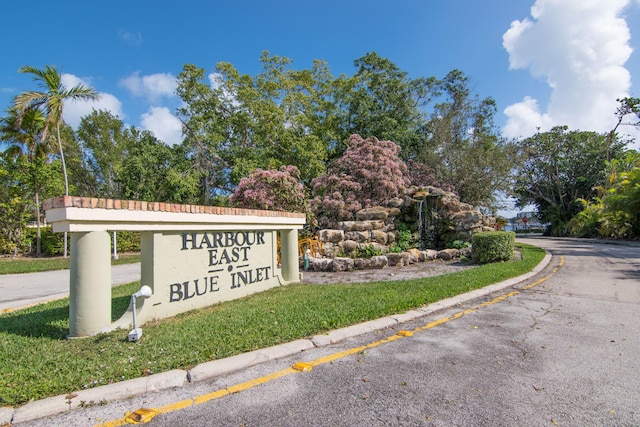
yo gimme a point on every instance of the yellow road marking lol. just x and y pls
(326, 359)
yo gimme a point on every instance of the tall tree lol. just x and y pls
(461, 144)
(206, 122)
(27, 149)
(153, 171)
(51, 102)
(382, 101)
(275, 117)
(559, 167)
(104, 141)
(15, 210)
(627, 114)
(234, 123)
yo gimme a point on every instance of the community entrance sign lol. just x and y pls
(191, 256)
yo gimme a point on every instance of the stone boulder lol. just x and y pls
(358, 236)
(341, 264)
(414, 255)
(379, 261)
(379, 237)
(398, 259)
(329, 235)
(319, 264)
(361, 264)
(430, 254)
(349, 246)
(448, 254)
(361, 225)
(396, 202)
(376, 213)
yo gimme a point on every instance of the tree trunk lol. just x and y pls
(66, 181)
(38, 235)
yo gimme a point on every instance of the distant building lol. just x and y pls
(525, 220)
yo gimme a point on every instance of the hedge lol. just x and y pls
(492, 246)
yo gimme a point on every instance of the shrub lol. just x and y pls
(369, 173)
(404, 239)
(492, 246)
(367, 251)
(275, 190)
(127, 241)
(51, 244)
(460, 244)
(336, 199)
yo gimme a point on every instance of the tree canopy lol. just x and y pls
(558, 168)
(352, 140)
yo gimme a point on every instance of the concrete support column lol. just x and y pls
(289, 255)
(90, 284)
(146, 259)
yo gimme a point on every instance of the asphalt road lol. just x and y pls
(559, 349)
(19, 290)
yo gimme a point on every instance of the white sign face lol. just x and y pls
(197, 269)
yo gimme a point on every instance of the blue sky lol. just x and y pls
(546, 62)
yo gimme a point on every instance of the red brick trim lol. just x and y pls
(95, 203)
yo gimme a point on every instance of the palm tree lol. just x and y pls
(51, 102)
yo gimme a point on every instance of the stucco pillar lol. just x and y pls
(90, 284)
(289, 255)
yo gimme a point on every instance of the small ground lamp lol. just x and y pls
(145, 292)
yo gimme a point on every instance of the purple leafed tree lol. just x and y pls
(277, 190)
(369, 173)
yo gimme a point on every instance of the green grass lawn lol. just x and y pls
(33, 265)
(37, 361)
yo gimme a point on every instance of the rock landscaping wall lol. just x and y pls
(367, 242)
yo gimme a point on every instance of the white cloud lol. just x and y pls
(132, 39)
(75, 110)
(525, 118)
(579, 47)
(152, 87)
(164, 125)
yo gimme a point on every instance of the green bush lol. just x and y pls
(367, 252)
(7, 246)
(460, 244)
(51, 244)
(492, 246)
(404, 239)
(127, 241)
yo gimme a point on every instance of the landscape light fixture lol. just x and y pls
(144, 292)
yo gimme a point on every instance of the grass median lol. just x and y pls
(36, 360)
(33, 265)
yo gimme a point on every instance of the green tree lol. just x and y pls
(153, 171)
(29, 154)
(559, 167)
(15, 210)
(274, 117)
(82, 182)
(461, 144)
(104, 142)
(622, 198)
(207, 123)
(51, 102)
(627, 114)
(380, 100)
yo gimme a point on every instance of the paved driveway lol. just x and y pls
(19, 290)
